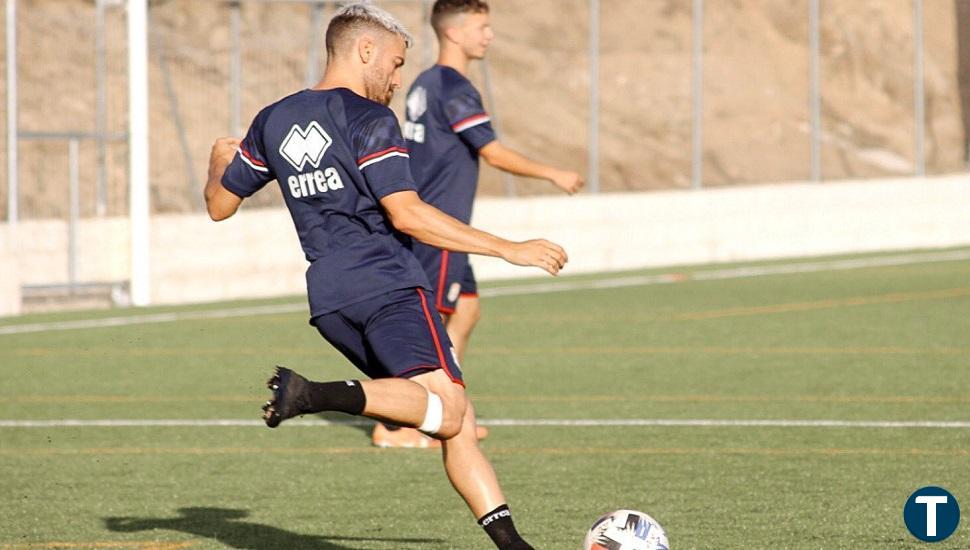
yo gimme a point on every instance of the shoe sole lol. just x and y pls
(275, 410)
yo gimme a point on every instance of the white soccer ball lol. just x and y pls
(626, 530)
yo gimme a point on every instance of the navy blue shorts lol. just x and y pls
(396, 335)
(450, 273)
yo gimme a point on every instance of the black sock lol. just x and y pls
(345, 396)
(499, 526)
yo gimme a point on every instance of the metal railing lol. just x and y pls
(191, 155)
(205, 87)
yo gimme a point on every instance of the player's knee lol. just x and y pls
(447, 427)
(453, 417)
(471, 311)
(475, 314)
(453, 407)
(446, 405)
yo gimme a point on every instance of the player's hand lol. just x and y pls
(570, 182)
(223, 150)
(538, 253)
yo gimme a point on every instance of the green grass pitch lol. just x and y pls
(887, 343)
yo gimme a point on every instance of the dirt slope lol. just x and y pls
(755, 105)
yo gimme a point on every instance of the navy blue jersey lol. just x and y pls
(335, 155)
(445, 128)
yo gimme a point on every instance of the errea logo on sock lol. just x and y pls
(495, 516)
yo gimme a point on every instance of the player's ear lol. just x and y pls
(366, 49)
(452, 34)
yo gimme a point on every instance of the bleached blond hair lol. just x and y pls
(356, 16)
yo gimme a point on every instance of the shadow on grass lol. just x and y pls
(224, 525)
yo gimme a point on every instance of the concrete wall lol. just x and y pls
(253, 254)
(256, 253)
(9, 277)
(627, 231)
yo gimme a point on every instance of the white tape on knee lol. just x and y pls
(433, 416)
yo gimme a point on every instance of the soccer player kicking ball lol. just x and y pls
(447, 130)
(337, 153)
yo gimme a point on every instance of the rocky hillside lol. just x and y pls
(755, 106)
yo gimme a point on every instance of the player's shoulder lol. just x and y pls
(430, 76)
(445, 82)
(361, 110)
(371, 124)
(355, 106)
(266, 114)
(454, 83)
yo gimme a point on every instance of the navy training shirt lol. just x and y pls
(446, 127)
(335, 154)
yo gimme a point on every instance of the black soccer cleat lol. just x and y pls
(288, 388)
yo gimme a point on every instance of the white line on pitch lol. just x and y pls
(729, 273)
(621, 422)
(535, 288)
(154, 318)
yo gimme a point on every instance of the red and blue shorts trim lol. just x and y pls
(450, 274)
(395, 335)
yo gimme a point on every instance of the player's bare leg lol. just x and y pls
(470, 472)
(472, 476)
(396, 400)
(389, 436)
(407, 436)
(459, 326)
(461, 323)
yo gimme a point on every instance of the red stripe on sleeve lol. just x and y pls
(473, 118)
(384, 152)
(249, 156)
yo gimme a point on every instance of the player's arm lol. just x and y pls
(507, 160)
(412, 216)
(237, 169)
(219, 201)
(471, 123)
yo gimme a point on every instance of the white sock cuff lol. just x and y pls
(433, 415)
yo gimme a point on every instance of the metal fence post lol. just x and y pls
(490, 97)
(191, 179)
(235, 71)
(12, 143)
(594, 96)
(74, 211)
(919, 91)
(697, 142)
(100, 112)
(313, 55)
(815, 97)
(426, 37)
(139, 196)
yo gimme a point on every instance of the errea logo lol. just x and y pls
(417, 103)
(303, 146)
